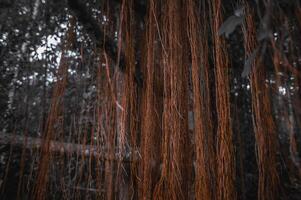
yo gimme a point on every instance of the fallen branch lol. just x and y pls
(64, 148)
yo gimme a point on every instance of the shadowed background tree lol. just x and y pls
(148, 99)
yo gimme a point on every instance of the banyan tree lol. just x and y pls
(150, 99)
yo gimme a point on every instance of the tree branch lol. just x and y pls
(103, 41)
(6, 3)
(93, 29)
(139, 7)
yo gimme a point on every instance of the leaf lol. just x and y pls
(239, 12)
(248, 63)
(264, 31)
(230, 24)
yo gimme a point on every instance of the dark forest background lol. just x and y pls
(84, 88)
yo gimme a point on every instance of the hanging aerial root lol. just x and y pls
(176, 171)
(40, 188)
(204, 147)
(225, 148)
(263, 122)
